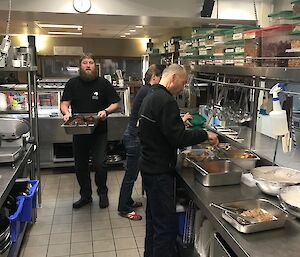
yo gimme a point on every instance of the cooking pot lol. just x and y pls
(270, 179)
(4, 228)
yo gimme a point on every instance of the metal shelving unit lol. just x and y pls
(34, 171)
(32, 109)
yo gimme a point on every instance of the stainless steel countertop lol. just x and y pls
(265, 147)
(10, 172)
(283, 242)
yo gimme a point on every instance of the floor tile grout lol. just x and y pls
(60, 209)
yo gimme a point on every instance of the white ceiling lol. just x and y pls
(102, 26)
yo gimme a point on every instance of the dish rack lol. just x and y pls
(189, 231)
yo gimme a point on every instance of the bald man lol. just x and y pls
(162, 132)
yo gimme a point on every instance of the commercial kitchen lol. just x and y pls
(239, 198)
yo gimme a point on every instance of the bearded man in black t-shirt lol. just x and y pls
(88, 93)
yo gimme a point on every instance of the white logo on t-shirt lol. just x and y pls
(95, 96)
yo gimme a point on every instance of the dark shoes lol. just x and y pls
(82, 202)
(103, 201)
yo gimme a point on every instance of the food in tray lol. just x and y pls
(247, 155)
(82, 120)
(198, 156)
(259, 214)
(223, 146)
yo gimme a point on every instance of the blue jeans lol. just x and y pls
(161, 219)
(132, 147)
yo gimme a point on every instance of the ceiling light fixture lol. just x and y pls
(132, 30)
(59, 26)
(127, 33)
(64, 33)
(139, 26)
(122, 36)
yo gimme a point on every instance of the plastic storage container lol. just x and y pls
(181, 215)
(252, 47)
(294, 52)
(296, 7)
(238, 31)
(275, 40)
(29, 201)
(219, 36)
(228, 35)
(280, 18)
(15, 220)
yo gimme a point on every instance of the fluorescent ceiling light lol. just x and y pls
(64, 33)
(132, 30)
(139, 26)
(122, 36)
(59, 26)
(127, 33)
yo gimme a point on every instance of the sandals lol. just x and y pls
(131, 215)
(137, 204)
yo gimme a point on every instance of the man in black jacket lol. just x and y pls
(162, 132)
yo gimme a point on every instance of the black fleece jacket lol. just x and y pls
(162, 132)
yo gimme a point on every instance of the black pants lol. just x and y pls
(161, 219)
(93, 145)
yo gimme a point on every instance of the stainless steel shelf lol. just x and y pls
(274, 73)
(34, 68)
(14, 112)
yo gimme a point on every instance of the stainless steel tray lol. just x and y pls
(279, 214)
(216, 172)
(10, 154)
(86, 128)
(236, 156)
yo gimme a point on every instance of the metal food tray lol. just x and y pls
(280, 215)
(235, 156)
(216, 172)
(87, 128)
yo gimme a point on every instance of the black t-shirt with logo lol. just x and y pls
(90, 97)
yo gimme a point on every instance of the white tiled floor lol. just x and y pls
(86, 232)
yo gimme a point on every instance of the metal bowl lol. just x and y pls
(289, 199)
(270, 179)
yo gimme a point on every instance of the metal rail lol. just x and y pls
(243, 86)
(284, 74)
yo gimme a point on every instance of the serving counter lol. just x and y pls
(282, 242)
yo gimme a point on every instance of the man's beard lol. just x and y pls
(87, 76)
